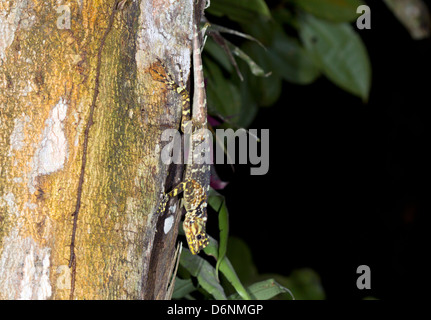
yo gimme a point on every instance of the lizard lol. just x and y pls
(196, 182)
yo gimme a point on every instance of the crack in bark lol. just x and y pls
(72, 259)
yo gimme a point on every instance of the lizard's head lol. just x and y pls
(194, 228)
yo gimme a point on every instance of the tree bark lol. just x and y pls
(80, 173)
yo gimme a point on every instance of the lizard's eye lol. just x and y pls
(199, 237)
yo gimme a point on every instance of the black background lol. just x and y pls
(348, 182)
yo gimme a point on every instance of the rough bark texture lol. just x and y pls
(80, 126)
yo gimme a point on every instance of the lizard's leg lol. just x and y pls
(177, 189)
(164, 78)
(194, 195)
(174, 192)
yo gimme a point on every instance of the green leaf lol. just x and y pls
(193, 263)
(239, 10)
(218, 54)
(332, 10)
(264, 290)
(287, 60)
(227, 269)
(223, 96)
(339, 52)
(285, 56)
(304, 283)
(222, 51)
(249, 106)
(261, 29)
(183, 287)
(240, 256)
(204, 272)
(254, 67)
(263, 90)
(291, 60)
(218, 203)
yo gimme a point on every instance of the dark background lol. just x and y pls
(348, 182)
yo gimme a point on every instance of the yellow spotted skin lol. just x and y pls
(194, 228)
(195, 202)
(197, 176)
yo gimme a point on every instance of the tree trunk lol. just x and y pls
(80, 124)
